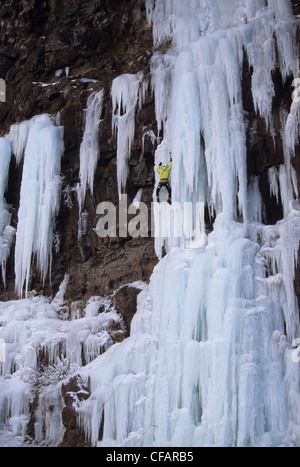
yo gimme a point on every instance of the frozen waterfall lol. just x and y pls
(210, 360)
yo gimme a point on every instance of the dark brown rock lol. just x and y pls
(73, 393)
(264, 150)
(31, 424)
(296, 7)
(264, 145)
(125, 303)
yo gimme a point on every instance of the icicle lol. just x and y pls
(290, 137)
(39, 203)
(148, 134)
(137, 198)
(259, 42)
(18, 135)
(273, 181)
(5, 155)
(6, 231)
(255, 201)
(59, 297)
(49, 427)
(89, 149)
(290, 241)
(14, 407)
(125, 96)
(161, 67)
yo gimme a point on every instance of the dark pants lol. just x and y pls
(164, 183)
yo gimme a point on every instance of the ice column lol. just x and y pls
(18, 135)
(125, 93)
(89, 149)
(39, 202)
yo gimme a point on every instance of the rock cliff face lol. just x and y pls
(52, 54)
(73, 47)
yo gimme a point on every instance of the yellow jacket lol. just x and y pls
(164, 172)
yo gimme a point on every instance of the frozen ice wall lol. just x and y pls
(39, 200)
(209, 360)
(207, 365)
(198, 92)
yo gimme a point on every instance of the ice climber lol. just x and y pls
(164, 172)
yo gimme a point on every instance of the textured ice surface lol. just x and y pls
(89, 149)
(7, 232)
(126, 96)
(39, 201)
(43, 347)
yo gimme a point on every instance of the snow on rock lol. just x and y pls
(43, 349)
